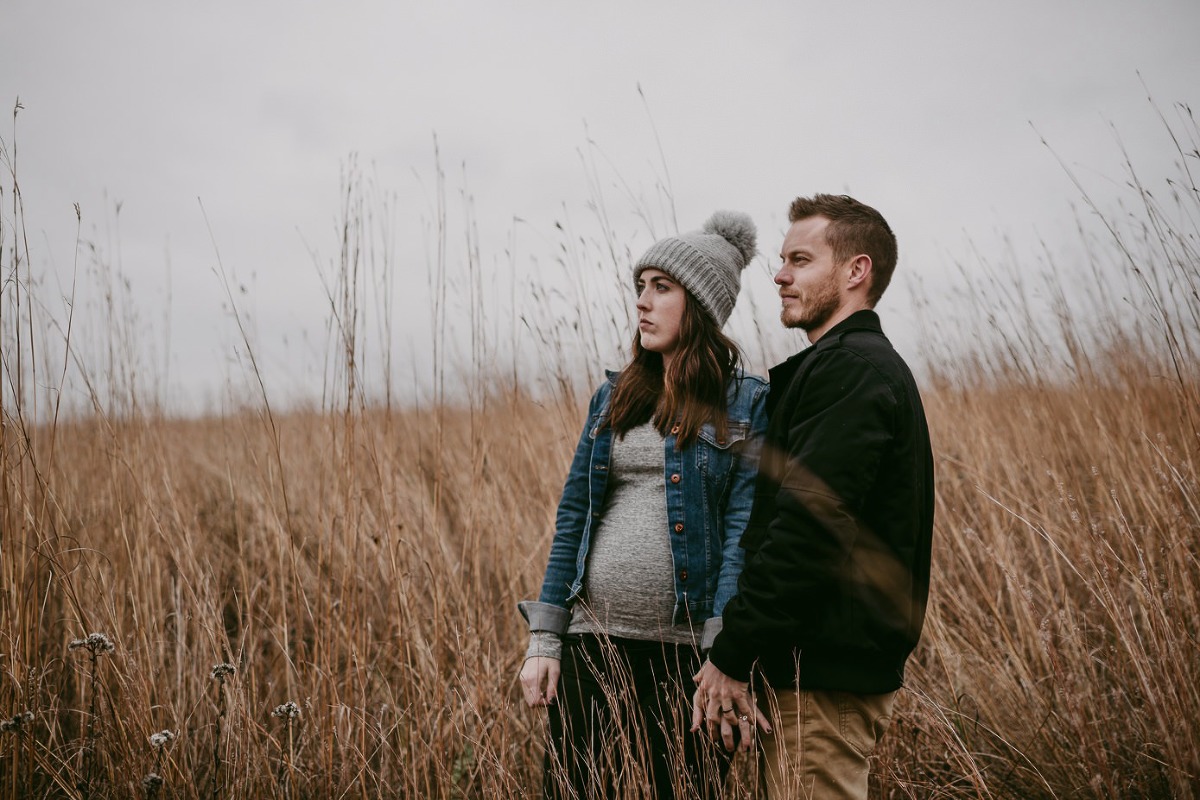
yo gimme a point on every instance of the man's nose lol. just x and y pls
(782, 278)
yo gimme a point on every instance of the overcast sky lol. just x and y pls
(250, 113)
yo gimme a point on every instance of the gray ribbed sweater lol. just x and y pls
(629, 583)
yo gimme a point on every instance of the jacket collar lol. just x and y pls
(864, 320)
(611, 375)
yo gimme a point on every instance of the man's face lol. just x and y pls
(809, 281)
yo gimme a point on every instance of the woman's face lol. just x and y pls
(660, 304)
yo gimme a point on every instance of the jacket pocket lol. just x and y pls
(717, 456)
(736, 432)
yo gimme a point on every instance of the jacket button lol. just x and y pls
(679, 527)
(675, 478)
(683, 574)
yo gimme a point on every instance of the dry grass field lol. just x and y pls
(364, 564)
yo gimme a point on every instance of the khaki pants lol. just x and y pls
(821, 742)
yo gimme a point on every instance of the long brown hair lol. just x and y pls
(692, 394)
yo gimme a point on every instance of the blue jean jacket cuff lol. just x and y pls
(712, 626)
(546, 617)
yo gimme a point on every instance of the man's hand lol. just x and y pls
(722, 705)
(539, 680)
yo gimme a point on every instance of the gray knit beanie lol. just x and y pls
(708, 262)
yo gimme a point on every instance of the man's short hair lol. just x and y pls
(854, 229)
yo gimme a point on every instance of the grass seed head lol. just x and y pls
(222, 671)
(17, 722)
(288, 711)
(161, 739)
(97, 644)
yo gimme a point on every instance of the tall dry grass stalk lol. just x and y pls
(363, 559)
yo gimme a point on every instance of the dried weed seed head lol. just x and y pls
(152, 782)
(97, 644)
(161, 739)
(222, 671)
(288, 711)
(18, 722)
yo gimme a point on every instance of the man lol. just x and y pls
(832, 597)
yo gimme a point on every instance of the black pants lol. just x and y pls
(620, 725)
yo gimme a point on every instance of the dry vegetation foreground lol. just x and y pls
(364, 566)
(323, 605)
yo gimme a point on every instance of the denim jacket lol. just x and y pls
(710, 490)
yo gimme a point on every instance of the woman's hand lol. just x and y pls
(723, 705)
(539, 680)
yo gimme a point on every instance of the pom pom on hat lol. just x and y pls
(737, 229)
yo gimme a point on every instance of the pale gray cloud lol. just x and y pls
(931, 111)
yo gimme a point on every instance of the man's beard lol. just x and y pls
(814, 308)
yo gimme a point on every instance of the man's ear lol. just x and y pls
(859, 273)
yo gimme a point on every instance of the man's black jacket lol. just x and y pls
(837, 551)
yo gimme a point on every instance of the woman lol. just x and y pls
(645, 551)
